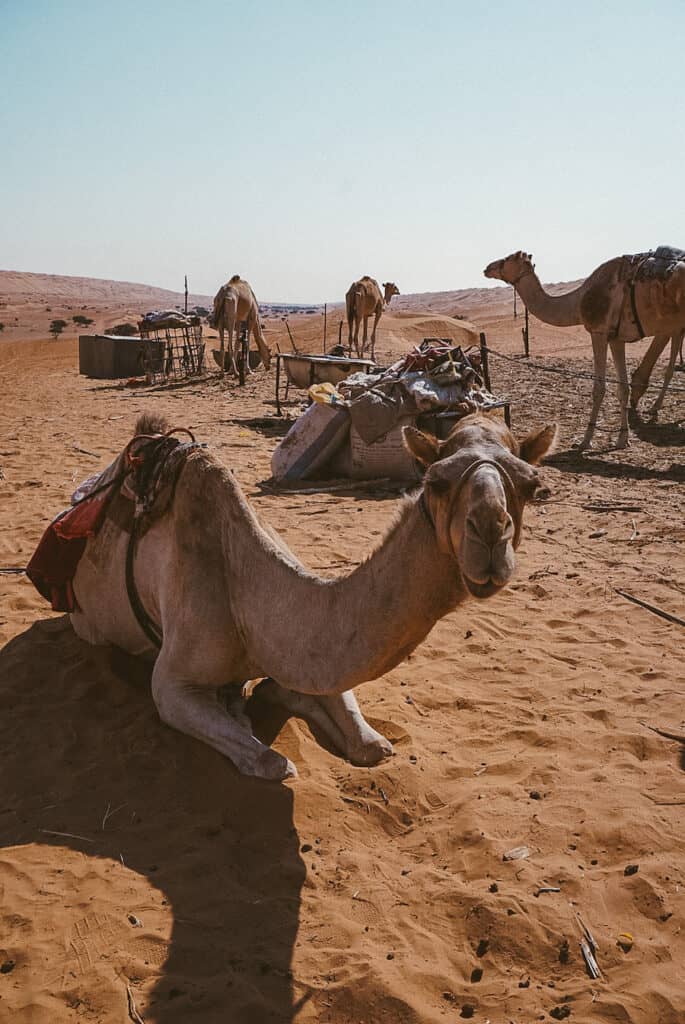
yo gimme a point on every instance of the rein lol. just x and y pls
(510, 494)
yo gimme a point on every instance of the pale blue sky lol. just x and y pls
(303, 144)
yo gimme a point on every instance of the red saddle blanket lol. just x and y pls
(54, 562)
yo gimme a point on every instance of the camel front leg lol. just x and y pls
(363, 745)
(373, 333)
(338, 717)
(303, 705)
(618, 354)
(599, 351)
(676, 343)
(197, 711)
(264, 350)
(357, 325)
(222, 349)
(365, 338)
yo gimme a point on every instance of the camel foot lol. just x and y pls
(622, 442)
(273, 766)
(373, 749)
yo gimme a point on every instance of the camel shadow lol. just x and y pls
(661, 435)
(87, 766)
(595, 464)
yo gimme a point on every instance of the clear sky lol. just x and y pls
(304, 143)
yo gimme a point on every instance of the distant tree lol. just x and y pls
(201, 311)
(56, 327)
(82, 321)
(2, 327)
(124, 330)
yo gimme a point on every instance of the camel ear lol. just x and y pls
(423, 447)
(539, 443)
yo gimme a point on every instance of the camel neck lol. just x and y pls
(326, 636)
(559, 310)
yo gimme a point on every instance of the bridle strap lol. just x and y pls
(510, 493)
(524, 273)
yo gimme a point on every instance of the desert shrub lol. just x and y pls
(2, 327)
(201, 311)
(82, 321)
(125, 330)
(56, 327)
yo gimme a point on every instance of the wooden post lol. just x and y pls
(340, 327)
(325, 317)
(292, 340)
(515, 314)
(278, 383)
(186, 292)
(526, 338)
(484, 361)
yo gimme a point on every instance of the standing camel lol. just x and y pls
(234, 303)
(215, 599)
(363, 299)
(614, 304)
(640, 378)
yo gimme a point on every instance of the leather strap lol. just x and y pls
(510, 493)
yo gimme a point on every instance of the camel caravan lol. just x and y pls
(163, 547)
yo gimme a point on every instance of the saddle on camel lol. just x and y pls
(165, 558)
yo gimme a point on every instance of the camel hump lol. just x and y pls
(235, 279)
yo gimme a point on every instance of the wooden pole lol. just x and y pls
(484, 361)
(340, 327)
(292, 340)
(325, 317)
(515, 314)
(278, 383)
(186, 291)
(526, 336)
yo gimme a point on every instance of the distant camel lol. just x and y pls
(615, 304)
(363, 299)
(640, 379)
(234, 303)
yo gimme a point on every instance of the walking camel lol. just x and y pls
(615, 305)
(640, 378)
(229, 602)
(364, 299)
(234, 303)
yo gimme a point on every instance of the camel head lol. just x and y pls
(389, 289)
(475, 488)
(512, 268)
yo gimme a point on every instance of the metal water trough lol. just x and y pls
(302, 370)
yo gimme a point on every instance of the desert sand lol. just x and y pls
(141, 875)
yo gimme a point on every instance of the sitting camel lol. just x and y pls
(640, 378)
(614, 305)
(363, 299)
(220, 600)
(234, 303)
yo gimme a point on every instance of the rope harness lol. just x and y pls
(510, 492)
